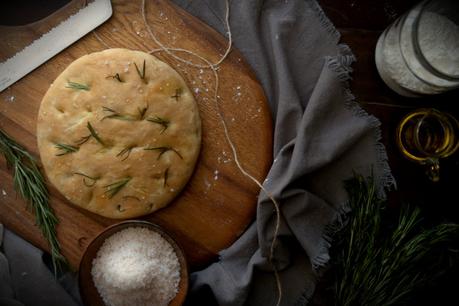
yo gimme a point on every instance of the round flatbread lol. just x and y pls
(119, 133)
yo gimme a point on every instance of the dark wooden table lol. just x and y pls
(360, 23)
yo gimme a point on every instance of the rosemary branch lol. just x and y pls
(378, 263)
(141, 73)
(158, 120)
(30, 184)
(65, 149)
(114, 188)
(163, 150)
(77, 86)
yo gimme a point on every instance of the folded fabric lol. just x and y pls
(26, 280)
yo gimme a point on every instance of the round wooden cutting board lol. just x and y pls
(219, 202)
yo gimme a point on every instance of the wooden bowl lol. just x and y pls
(88, 291)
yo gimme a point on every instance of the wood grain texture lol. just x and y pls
(219, 202)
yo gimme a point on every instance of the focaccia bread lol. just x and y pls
(119, 133)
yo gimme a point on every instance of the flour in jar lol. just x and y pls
(439, 42)
(419, 53)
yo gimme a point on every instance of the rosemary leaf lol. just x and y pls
(126, 152)
(142, 112)
(30, 184)
(158, 120)
(65, 149)
(116, 115)
(93, 180)
(77, 86)
(115, 77)
(94, 134)
(114, 188)
(141, 73)
(163, 150)
(83, 140)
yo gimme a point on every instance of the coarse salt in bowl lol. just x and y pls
(133, 263)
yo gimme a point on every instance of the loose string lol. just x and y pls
(213, 67)
(168, 51)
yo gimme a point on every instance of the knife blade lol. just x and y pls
(57, 39)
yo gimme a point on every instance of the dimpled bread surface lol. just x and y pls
(119, 133)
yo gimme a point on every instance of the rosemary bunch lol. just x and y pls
(379, 264)
(30, 184)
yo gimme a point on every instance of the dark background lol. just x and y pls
(360, 23)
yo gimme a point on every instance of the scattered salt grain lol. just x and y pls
(136, 266)
(196, 90)
(10, 98)
(3, 192)
(208, 185)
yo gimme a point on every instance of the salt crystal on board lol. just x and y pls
(10, 98)
(3, 192)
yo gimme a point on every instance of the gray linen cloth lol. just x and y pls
(321, 136)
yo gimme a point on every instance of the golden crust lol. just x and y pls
(153, 177)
